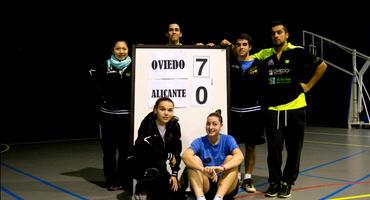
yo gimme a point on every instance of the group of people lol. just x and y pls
(267, 99)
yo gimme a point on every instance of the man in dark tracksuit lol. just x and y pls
(246, 123)
(286, 72)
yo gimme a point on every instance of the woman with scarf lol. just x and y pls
(113, 85)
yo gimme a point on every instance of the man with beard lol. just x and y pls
(288, 73)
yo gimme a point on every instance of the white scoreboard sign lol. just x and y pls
(195, 78)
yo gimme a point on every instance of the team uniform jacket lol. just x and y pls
(150, 144)
(282, 84)
(113, 88)
(245, 87)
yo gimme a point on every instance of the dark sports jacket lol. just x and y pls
(150, 145)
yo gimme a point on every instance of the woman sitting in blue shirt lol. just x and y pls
(213, 161)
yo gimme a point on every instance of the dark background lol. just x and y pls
(49, 49)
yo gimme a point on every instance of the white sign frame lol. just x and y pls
(181, 66)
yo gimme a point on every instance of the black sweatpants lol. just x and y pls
(284, 128)
(115, 132)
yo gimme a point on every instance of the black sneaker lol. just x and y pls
(273, 190)
(248, 186)
(285, 190)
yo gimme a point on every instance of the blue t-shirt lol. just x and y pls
(246, 64)
(214, 155)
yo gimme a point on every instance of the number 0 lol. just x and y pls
(198, 93)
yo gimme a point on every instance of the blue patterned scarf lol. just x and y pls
(118, 64)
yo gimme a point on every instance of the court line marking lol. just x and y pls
(352, 197)
(6, 148)
(305, 188)
(55, 141)
(333, 161)
(337, 134)
(340, 144)
(10, 193)
(321, 177)
(345, 187)
(319, 166)
(43, 181)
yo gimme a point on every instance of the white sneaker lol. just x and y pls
(248, 186)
